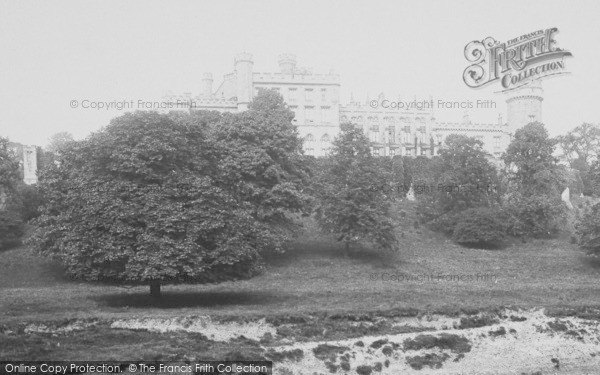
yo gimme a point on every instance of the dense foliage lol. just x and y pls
(155, 199)
(588, 230)
(11, 229)
(347, 206)
(11, 223)
(461, 178)
(479, 227)
(536, 181)
(580, 147)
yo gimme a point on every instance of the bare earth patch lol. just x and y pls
(516, 342)
(215, 331)
(505, 342)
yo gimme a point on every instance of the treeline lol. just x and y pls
(201, 197)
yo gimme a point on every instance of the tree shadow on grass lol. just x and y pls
(485, 246)
(173, 300)
(331, 250)
(591, 260)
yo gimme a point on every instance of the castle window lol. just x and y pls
(325, 143)
(496, 142)
(392, 152)
(309, 114)
(323, 95)
(308, 95)
(292, 93)
(326, 115)
(391, 133)
(375, 151)
(374, 136)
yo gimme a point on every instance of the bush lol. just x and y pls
(479, 227)
(537, 216)
(31, 201)
(445, 223)
(11, 229)
(588, 230)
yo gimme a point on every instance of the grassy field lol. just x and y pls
(313, 279)
(427, 274)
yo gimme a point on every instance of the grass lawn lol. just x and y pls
(312, 285)
(315, 277)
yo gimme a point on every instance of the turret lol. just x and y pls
(287, 63)
(206, 89)
(524, 105)
(243, 72)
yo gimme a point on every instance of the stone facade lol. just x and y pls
(315, 100)
(28, 160)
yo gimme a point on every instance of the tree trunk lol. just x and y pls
(347, 249)
(155, 289)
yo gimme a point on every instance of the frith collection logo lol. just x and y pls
(516, 62)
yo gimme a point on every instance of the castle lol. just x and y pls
(315, 101)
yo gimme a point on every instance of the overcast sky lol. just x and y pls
(53, 52)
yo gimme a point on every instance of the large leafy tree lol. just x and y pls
(461, 178)
(346, 205)
(11, 226)
(59, 141)
(135, 203)
(536, 181)
(10, 172)
(466, 178)
(530, 159)
(580, 148)
(582, 142)
(257, 156)
(49, 155)
(155, 199)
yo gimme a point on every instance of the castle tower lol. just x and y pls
(206, 85)
(243, 75)
(30, 165)
(524, 105)
(287, 63)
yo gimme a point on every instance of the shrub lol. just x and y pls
(538, 216)
(479, 227)
(11, 229)
(31, 201)
(588, 230)
(445, 223)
